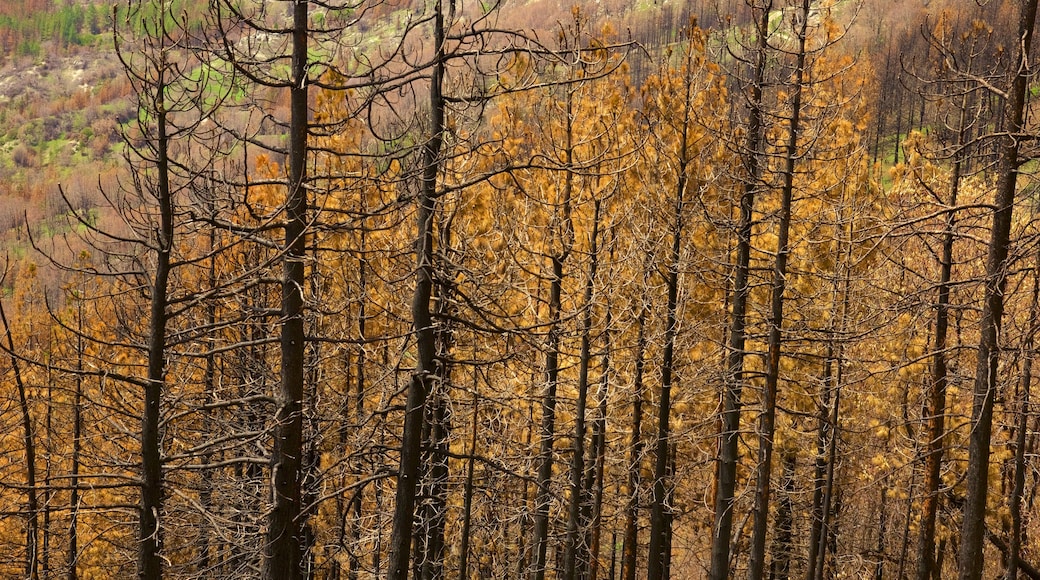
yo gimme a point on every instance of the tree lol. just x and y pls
(278, 59)
(426, 369)
(144, 257)
(635, 445)
(1023, 395)
(936, 405)
(155, 74)
(580, 151)
(766, 428)
(284, 555)
(726, 473)
(972, 556)
(32, 504)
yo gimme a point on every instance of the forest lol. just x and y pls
(351, 289)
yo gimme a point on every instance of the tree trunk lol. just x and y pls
(543, 493)
(635, 454)
(467, 493)
(972, 554)
(576, 555)
(596, 476)
(539, 540)
(32, 506)
(430, 527)
(879, 567)
(726, 472)
(780, 566)
(828, 430)
(77, 446)
(936, 413)
(819, 564)
(659, 553)
(904, 544)
(354, 509)
(48, 493)
(209, 379)
(819, 472)
(767, 419)
(1024, 385)
(422, 319)
(150, 561)
(657, 556)
(284, 555)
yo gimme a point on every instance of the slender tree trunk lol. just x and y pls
(635, 453)
(827, 452)
(1024, 385)
(422, 319)
(972, 554)
(879, 567)
(150, 537)
(150, 561)
(576, 553)
(32, 506)
(828, 431)
(430, 526)
(819, 565)
(543, 495)
(657, 557)
(539, 540)
(354, 509)
(311, 468)
(904, 544)
(767, 419)
(726, 472)
(599, 454)
(284, 557)
(77, 446)
(467, 492)
(832, 536)
(936, 428)
(209, 379)
(48, 493)
(780, 566)
(899, 127)
(433, 512)
(819, 470)
(565, 233)
(879, 126)
(659, 553)
(524, 523)
(441, 419)
(377, 553)
(429, 557)
(612, 572)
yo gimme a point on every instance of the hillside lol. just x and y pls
(414, 290)
(63, 95)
